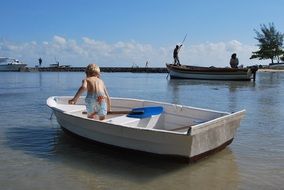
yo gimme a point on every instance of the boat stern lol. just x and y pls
(214, 135)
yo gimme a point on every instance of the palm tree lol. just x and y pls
(270, 43)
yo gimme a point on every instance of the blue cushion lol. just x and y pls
(145, 112)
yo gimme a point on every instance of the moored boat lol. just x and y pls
(170, 129)
(276, 65)
(9, 64)
(211, 73)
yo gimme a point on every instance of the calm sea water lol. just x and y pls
(36, 154)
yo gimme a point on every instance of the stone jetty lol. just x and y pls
(103, 69)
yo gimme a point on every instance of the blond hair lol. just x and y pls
(92, 70)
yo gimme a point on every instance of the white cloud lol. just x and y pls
(59, 40)
(124, 54)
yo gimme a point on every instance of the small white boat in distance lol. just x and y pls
(173, 130)
(9, 64)
(276, 65)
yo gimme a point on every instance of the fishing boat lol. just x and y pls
(151, 126)
(211, 73)
(10, 64)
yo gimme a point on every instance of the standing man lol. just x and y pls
(146, 65)
(39, 61)
(175, 55)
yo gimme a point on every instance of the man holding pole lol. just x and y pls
(175, 54)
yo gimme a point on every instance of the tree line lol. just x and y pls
(270, 44)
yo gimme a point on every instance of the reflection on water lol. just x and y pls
(214, 84)
(201, 93)
(37, 154)
(116, 165)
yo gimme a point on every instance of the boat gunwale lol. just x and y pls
(196, 127)
(206, 70)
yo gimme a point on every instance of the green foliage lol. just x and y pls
(270, 43)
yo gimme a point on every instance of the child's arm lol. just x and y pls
(108, 100)
(82, 89)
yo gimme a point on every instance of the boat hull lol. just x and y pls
(276, 66)
(184, 157)
(210, 73)
(192, 143)
(130, 138)
(12, 67)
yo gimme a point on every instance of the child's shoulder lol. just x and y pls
(93, 79)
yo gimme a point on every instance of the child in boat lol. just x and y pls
(97, 99)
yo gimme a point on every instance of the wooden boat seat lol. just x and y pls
(125, 120)
(122, 120)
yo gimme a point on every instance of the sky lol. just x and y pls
(123, 33)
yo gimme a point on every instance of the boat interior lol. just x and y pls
(176, 118)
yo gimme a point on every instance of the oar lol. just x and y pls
(150, 110)
(168, 75)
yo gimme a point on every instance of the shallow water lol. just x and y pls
(36, 154)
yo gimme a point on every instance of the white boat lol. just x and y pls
(211, 73)
(276, 65)
(10, 64)
(178, 130)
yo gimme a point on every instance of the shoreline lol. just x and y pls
(271, 70)
(115, 69)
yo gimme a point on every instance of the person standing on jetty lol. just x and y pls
(146, 64)
(39, 61)
(97, 99)
(234, 62)
(175, 55)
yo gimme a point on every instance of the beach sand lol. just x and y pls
(270, 70)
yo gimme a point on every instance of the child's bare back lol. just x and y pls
(95, 85)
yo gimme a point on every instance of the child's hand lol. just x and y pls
(71, 101)
(108, 109)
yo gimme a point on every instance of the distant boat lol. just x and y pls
(276, 65)
(150, 126)
(10, 64)
(211, 73)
